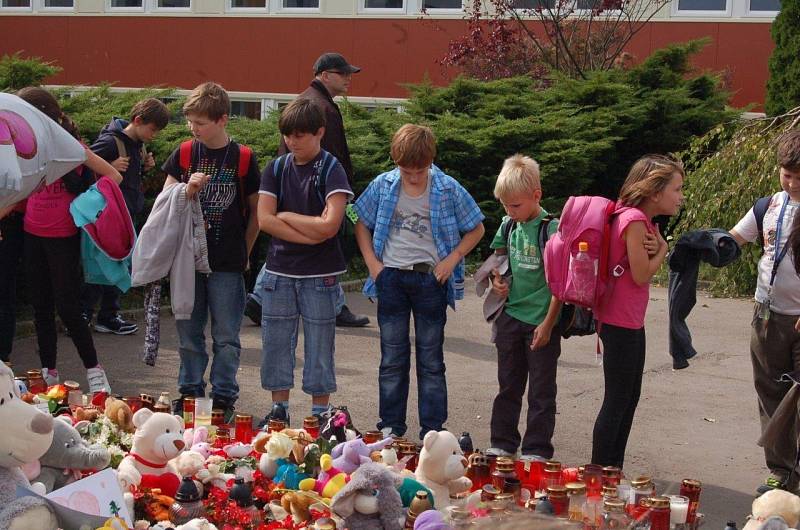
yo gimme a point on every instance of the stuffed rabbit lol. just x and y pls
(370, 500)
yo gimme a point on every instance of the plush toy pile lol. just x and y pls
(191, 479)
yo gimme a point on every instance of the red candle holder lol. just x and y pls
(243, 428)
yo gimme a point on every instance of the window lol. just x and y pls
(703, 7)
(770, 6)
(605, 5)
(248, 4)
(25, 4)
(301, 4)
(126, 4)
(383, 4)
(173, 4)
(246, 109)
(533, 4)
(441, 4)
(58, 4)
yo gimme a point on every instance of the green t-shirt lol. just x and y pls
(529, 298)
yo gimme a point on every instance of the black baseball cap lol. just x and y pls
(334, 61)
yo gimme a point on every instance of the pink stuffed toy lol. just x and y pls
(350, 455)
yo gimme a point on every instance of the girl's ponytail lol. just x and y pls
(47, 103)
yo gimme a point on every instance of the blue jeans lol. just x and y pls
(256, 294)
(401, 294)
(284, 302)
(222, 295)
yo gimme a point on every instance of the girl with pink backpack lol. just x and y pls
(652, 188)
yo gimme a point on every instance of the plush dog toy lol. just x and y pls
(370, 500)
(774, 503)
(68, 455)
(158, 439)
(27, 441)
(348, 456)
(120, 413)
(442, 466)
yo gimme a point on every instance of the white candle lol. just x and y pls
(678, 509)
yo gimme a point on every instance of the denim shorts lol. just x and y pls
(284, 301)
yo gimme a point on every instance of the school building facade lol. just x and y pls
(263, 50)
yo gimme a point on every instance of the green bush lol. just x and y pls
(731, 166)
(783, 89)
(16, 72)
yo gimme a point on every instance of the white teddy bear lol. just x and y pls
(442, 466)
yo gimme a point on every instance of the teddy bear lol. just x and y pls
(87, 414)
(348, 456)
(442, 466)
(26, 442)
(298, 504)
(196, 440)
(68, 455)
(120, 413)
(370, 500)
(158, 439)
(774, 503)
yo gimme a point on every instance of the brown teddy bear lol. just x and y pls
(120, 413)
(298, 504)
(87, 414)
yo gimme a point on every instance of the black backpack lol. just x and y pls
(574, 321)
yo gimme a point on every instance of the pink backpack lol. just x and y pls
(588, 219)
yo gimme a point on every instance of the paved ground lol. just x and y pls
(700, 422)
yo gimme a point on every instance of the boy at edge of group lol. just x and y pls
(775, 337)
(525, 333)
(415, 226)
(122, 143)
(229, 203)
(304, 259)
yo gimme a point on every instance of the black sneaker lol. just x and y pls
(347, 319)
(225, 405)
(278, 412)
(252, 310)
(115, 325)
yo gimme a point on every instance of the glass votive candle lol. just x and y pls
(74, 400)
(593, 478)
(678, 509)
(243, 428)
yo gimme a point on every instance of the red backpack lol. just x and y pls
(245, 153)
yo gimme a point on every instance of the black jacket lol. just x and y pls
(713, 246)
(106, 148)
(334, 140)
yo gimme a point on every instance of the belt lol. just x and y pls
(417, 267)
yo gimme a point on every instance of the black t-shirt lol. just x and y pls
(221, 200)
(298, 193)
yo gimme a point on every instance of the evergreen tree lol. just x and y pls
(783, 86)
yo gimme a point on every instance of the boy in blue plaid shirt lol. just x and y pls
(415, 226)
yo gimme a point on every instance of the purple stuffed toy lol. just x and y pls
(350, 455)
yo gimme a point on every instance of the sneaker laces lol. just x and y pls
(773, 482)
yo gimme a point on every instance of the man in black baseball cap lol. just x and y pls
(334, 62)
(332, 77)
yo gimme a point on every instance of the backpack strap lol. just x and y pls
(544, 233)
(321, 184)
(122, 151)
(185, 156)
(506, 230)
(245, 154)
(279, 166)
(760, 210)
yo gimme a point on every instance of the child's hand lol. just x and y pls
(121, 163)
(444, 268)
(541, 336)
(375, 270)
(149, 162)
(499, 284)
(196, 183)
(651, 244)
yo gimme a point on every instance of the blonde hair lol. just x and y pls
(413, 146)
(648, 176)
(519, 176)
(209, 100)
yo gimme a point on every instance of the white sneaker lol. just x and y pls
(50, 376)
(532, 458)
(496, 451)
(387, 432)
(98, 382)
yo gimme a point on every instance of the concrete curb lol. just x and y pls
(25, 328)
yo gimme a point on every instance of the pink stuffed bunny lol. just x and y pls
(197, 441)
(350, 455)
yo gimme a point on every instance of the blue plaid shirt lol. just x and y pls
(453, 212)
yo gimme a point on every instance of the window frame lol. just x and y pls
(112, 9)
(40, 6)
(17, 9)
(404, 10)
(675, 11)
(154, 8)
(280, 8)
(437, 10)
(229, 8)
(749, 13)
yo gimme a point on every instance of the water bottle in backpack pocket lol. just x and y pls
(582, 277)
